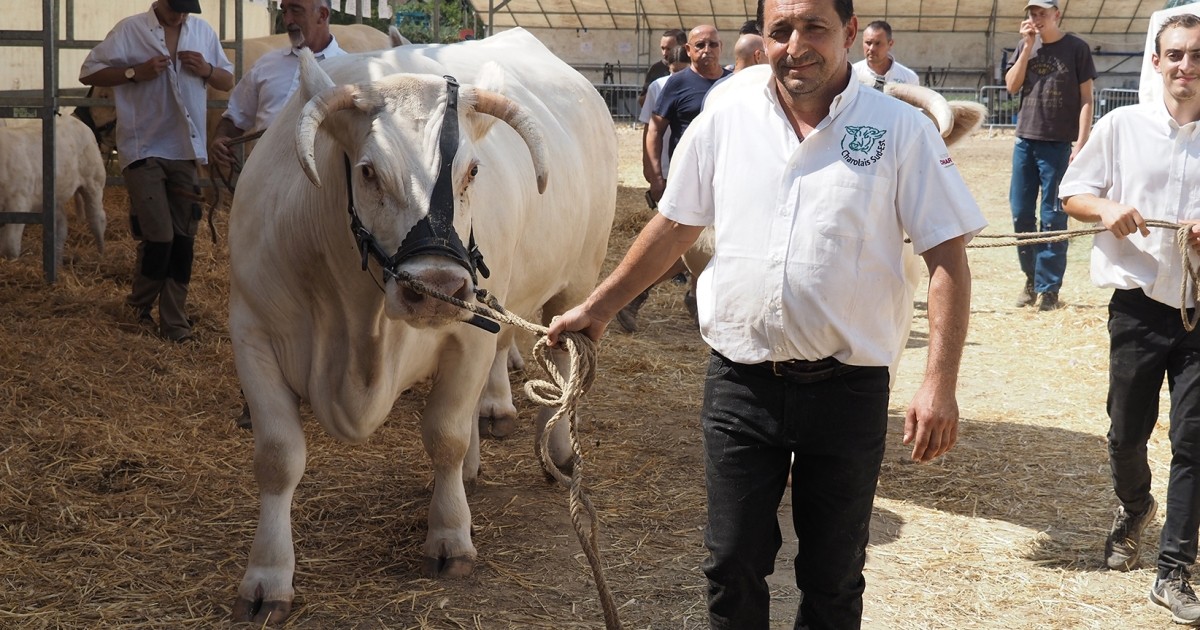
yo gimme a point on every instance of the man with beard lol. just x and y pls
(263, 91)
(1140, 164)
(159, 63)
(811, 182)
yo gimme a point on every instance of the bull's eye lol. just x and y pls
(474, 170)
(368, 172)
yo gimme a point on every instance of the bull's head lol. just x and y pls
(101, 119)
(411, 177)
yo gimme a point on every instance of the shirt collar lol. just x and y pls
(330, 51)
(840, 103)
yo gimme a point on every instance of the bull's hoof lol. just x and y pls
(497, 428)
(243, 421)
(459, 567)
(260, 612)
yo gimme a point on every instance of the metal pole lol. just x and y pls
(49, 111)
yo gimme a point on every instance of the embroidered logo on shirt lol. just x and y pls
(863, 145)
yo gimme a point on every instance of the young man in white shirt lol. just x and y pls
(268, 85)
(159, 64)
(811, 182)
(1140, 164)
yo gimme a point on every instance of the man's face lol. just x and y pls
(168, 16)
(308, 18)
(1042, 17)
(876, 45)
(1179, 62)
(704, 48)
(665, 45)
(806, 43)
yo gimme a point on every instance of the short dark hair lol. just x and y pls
(678, 54)
(1183, 20)
(678, 34)
(845, 11)
(750, 27)
(881, 25)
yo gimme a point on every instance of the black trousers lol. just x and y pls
(1148, 343)
(753, 420)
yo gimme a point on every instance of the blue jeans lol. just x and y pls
(1148, 342)
(1040, 164)
(752, 422)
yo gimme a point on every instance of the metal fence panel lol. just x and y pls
(1002, 106)
(1109, 99)
(621, 100)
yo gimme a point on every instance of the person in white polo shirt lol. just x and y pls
(159, 64)
(878, 65)
(262, 92)
(811, 181)
(1140, 164)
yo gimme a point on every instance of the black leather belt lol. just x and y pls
(804, 372)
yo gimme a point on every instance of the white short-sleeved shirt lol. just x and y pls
(263, 91)
(898, 73)
(809, 236)
(1139, 156)
(165, 116)
(647, 112)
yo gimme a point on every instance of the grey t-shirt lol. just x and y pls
(1050, 101)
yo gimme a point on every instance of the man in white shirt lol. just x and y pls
(268, 85)
(811, 182)
(878, 66)
(159, 63)
(1140, 163)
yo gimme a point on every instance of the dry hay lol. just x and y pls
(126, 498)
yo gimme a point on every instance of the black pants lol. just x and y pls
(1148, 342)
(753, 421)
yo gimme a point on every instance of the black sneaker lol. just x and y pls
(1049, 302)
(1174, 593)
(1027, 297)
(1121, 550)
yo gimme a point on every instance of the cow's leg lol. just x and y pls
(10, 240)
(265, 594)
(60, 233)
(90, 202)
(446, 434)
(497, 414)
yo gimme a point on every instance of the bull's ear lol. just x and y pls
(313, 79)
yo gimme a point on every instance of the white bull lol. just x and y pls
(78, 173)
(307, 323)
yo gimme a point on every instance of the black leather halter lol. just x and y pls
(434, 234)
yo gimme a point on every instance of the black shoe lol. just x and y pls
(1121, 549)
(1049, 302)
(143, 315)
(1175, 593)
(1026, 297)
(627, 317)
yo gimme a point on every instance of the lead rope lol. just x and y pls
(564, 392)
(1191, 276)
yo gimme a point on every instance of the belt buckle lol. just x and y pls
(775, 369)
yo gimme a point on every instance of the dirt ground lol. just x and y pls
(127, 499)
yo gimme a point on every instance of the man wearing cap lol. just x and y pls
(268, 85)
(159, 64)
(1053, 72)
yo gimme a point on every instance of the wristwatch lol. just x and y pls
(129, 74)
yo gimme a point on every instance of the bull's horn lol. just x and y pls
(315, 111)
(500, 106)
(933, 104)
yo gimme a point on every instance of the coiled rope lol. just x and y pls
(1191, 276)
(565, 392)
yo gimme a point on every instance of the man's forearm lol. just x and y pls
(949, 311)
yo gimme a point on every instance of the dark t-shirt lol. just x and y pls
(655, 72)
(681, 100)
(1050, 101)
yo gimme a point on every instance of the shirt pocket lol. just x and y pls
(849, 205)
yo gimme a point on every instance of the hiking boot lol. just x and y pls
(1121, 550)
(627, 317)
(1049, 302)
(143, 315)
(1174, 593)
(1027, 296)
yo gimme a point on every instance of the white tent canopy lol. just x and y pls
(962, 16)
